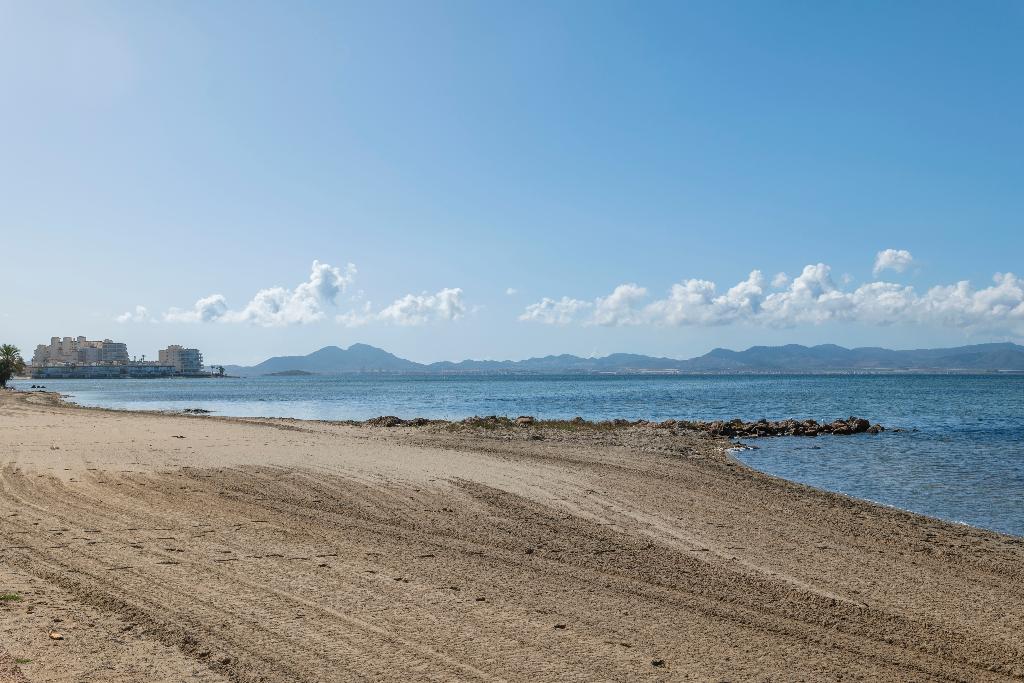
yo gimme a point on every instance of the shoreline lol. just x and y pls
(167, 546)
(728, 450)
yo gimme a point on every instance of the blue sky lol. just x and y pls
(511, 179)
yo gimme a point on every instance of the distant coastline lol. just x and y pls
(793, 359)
(997, 358)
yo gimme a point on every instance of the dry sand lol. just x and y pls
(175, 548)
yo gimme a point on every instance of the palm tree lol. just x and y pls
(11, 363)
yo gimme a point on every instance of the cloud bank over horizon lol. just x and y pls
(308, 303)
(812, 298)
(275, 306)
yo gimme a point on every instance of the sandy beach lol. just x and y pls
(152, 547)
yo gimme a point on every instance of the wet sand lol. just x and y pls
(181, 548)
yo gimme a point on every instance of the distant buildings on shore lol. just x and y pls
(81, 358)
(185, 361)
(71, 350)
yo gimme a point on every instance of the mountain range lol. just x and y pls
(791, 358)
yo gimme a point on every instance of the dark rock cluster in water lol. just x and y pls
(738, 428)
(730, 428)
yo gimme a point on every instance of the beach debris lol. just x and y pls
(560, 626)
(56, 635)
(197, 411)
(525, 420)
(177, 436)
(658, 663)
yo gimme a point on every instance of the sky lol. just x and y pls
(453, 180)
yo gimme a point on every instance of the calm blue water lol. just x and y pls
(965, 463)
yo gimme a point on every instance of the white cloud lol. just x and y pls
(139, 315)
(883, 303)
(417, 309)
(356, 318)
(961, 305)
(892, 259)
(551, 312)
(780, 280)
(208, 309)
(276, 306)
(696, 302)
(813, 298)
(621, 307)
(411, 310)
(308, 301)
(511, 291)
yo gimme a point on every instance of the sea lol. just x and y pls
(961, 457)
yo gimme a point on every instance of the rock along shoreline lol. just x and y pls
(721, 428)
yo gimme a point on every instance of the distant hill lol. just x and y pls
(362, 358)
(358, 358)
(794, 357)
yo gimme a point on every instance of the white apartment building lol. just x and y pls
(73, 350)
(186, 361)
